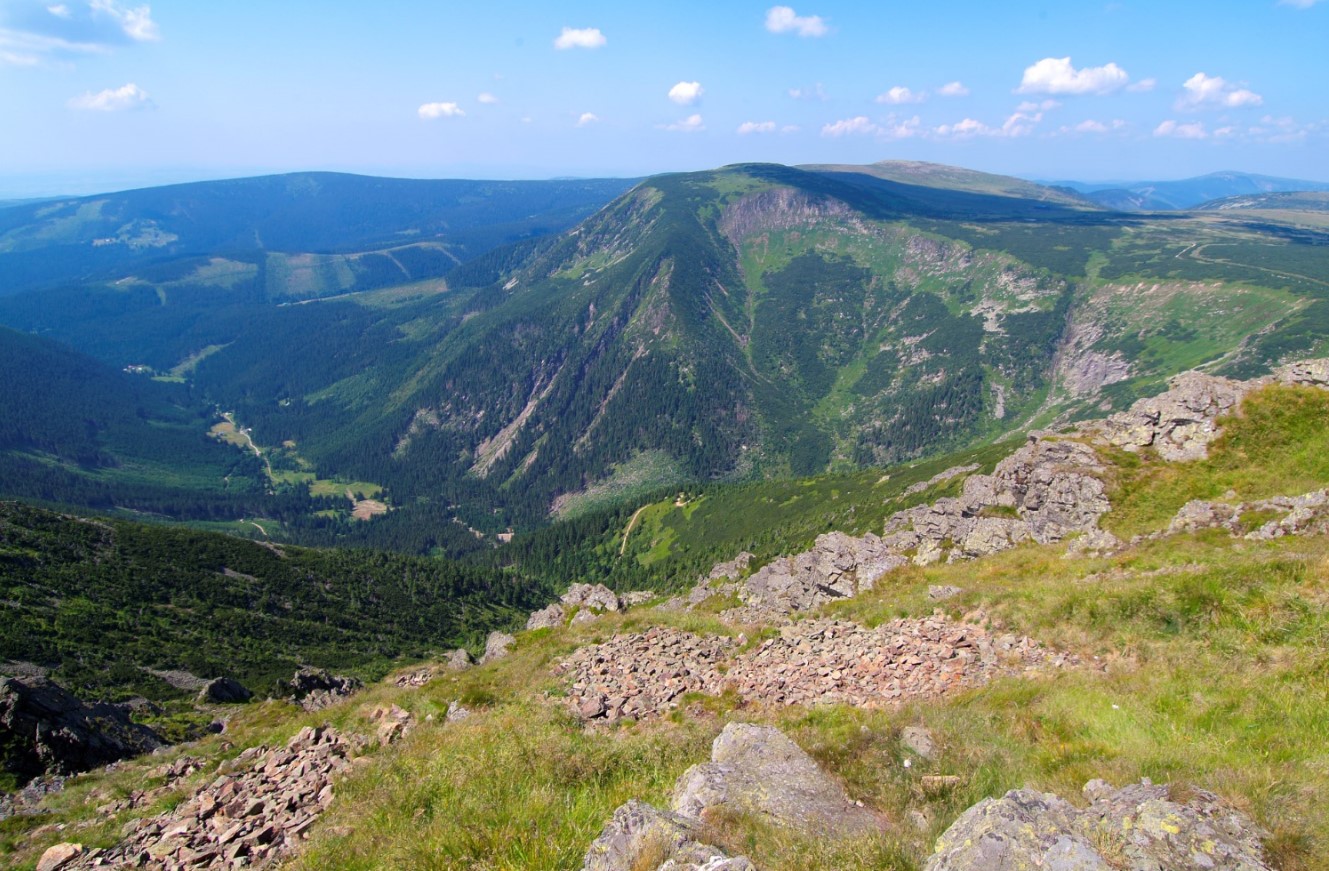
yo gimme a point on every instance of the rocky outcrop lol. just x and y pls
(44, 729)
(641, 675)
(757, 770)
(588, 601)
(940, 477)
(316, 688)
(224, 690)
(1293, 515)
(644, 838)
(459, 659)
(497, 646)
(547, 617)
(248, 818)
(1141, 827)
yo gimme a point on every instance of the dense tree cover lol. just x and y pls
(101, 600)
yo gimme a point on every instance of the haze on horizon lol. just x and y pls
(109, 94)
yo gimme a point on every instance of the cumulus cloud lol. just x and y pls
(749, 127)
(587, 118)
(429, 111)
(1193, 130)
(816, 92)
(686, 93)
(860, 125)
(487, 98)
(907, 128)
(900, 95)
(1142, 86)
(129, 96)
(783, 19)
(690, 124)
(59, 10)
(583, 37)
(1056, 75)
(1202, 90)
(966, 129)
(953, 89)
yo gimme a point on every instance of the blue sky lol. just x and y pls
(104, 94)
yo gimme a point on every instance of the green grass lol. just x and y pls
(1277, 445)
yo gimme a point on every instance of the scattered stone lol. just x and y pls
(250, 818)
(636, 597)
(394, 724)
(644, 838)
(456, 712)
(316, 688)
(44, 729)
(1307, 514)
(416, 678)
(639, 675)
(939, 592)
(757, 770)
(918, 740)
(497, 646)
(224, 690)
(1141, 826)
(459, 660)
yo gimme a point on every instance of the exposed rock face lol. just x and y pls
(644, 838)
(246, 819)
(1301, 515)
(592, 597)
(497, 646)
(547, 617)
(757, 770)
(459, 659)
(1179, 423)
(1140, 828)
(590, 601)
(59, 856)
(316, 688)
(638, 675)
(46, 730)
(224, 690)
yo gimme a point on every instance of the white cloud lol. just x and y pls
(136, 23)
(429, 111)
(1091, 126)
(1031, 106)
(900, 95)
(790, 128)
(1202, 90)
(1142, 86)
(686, 93)
(690, 124)
(1056, 75)
(59, 10)
(966, 129)
(587, 118)
(783, 19)
(129, 96)
(1193, 130)
(748, 127)
(903, 129)
(816, 92)
(487, 98)
(585, 37)
(953, 89)
(851, 126)
(1298, 4)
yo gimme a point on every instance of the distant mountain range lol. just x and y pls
(1186, 193)
(752, 322)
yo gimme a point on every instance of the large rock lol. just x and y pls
(316, 688)
(547, 617)
(1141, 827)
(644, 838)
(1179, 423)
(459, 659)
(224, 690)
(591, 597)
(497, 646)
(44, 729)
(757, 770)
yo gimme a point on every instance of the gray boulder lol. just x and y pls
(757, 770)
(224, 690)
(497, 646)
(459, 659)
(644, 838)
(547, 617)
(1179, 423)
(591, 597)
(44, 729)
(1141, 827)
(316, 688)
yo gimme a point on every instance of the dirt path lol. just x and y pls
(623, 548)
